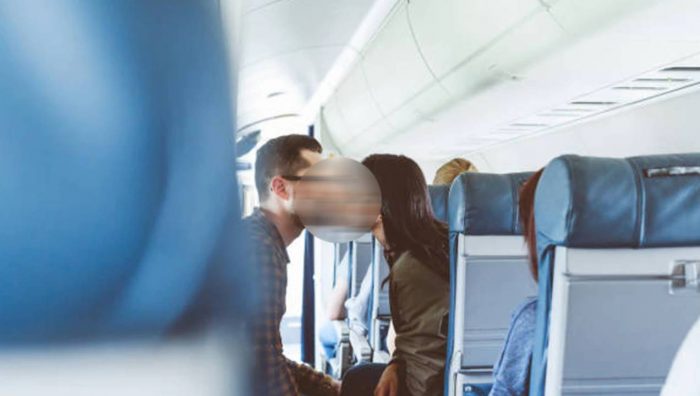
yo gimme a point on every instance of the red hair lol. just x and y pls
(526, 206)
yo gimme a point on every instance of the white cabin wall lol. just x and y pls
(666, 126)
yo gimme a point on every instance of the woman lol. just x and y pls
(511, 375)
(416, 248)
(451, 169)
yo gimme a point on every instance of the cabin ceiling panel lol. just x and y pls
(287, 48)
(458, 30)
(393, 66)
(533, 81)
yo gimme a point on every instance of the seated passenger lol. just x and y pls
(416, 248)
(334, 311)
(684, 377)
(449, 171)
(511, 373)
(354, 309)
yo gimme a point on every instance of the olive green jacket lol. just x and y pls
(420, 302)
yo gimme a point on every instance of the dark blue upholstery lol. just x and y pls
(610, 202)
(439, 194)
(119, 211)
(588, 202)
(485, 203)
(476, 389)
(479, 204)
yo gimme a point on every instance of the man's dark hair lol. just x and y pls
(281, 156)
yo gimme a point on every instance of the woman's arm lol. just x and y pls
(389, 382)
(512, 371)
(336, 307)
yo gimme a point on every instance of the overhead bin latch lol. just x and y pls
(685, 277)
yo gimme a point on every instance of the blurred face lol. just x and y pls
(338, 200)
(312, 158)
(283, 189)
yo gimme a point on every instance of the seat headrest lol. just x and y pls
(118, 193)
(649, 201)
(438, 199)
(485, 203)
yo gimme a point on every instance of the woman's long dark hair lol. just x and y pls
(526, 206)
(409, 222)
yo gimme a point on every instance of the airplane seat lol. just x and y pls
(361, 262)
(358, 327)
(334, 341)
(352, 345)
(120, 214)
(380, 308)
(489, 275)
(619, 251)
(439, 200)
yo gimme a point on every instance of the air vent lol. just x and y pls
(505, 136)
(561, 114)
(514, 129)
(574, 110)
(663, 80)
(682, 69)
(529, 125)
(593, 103)
(612, 97)
(633, 88)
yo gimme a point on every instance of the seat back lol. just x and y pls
(359, 311)
(490, 275)
(120, 215)
(361, 262)
(439, 195)
(380, 312)
(619, 250)
(340, 263)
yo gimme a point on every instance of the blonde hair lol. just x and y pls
(451, 169)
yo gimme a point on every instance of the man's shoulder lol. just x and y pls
(253, 219)
(256, 225)
(264, 238)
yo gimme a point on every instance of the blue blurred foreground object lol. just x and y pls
(119, 217)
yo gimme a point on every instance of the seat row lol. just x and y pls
(618, 244)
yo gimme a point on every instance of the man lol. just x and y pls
(273, 226)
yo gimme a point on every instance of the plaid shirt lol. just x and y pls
(275, 374)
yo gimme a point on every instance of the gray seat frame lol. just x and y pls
(492, 279)
(617, 318)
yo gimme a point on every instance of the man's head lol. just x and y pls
(279, 160)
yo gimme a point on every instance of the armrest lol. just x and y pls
(360, 346)
(343, 353)
(341, 330)
(381, 357)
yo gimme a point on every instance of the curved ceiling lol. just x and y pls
(450, 78)
(287, 48)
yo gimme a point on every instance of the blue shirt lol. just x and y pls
(511, 373)
(358, 305)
